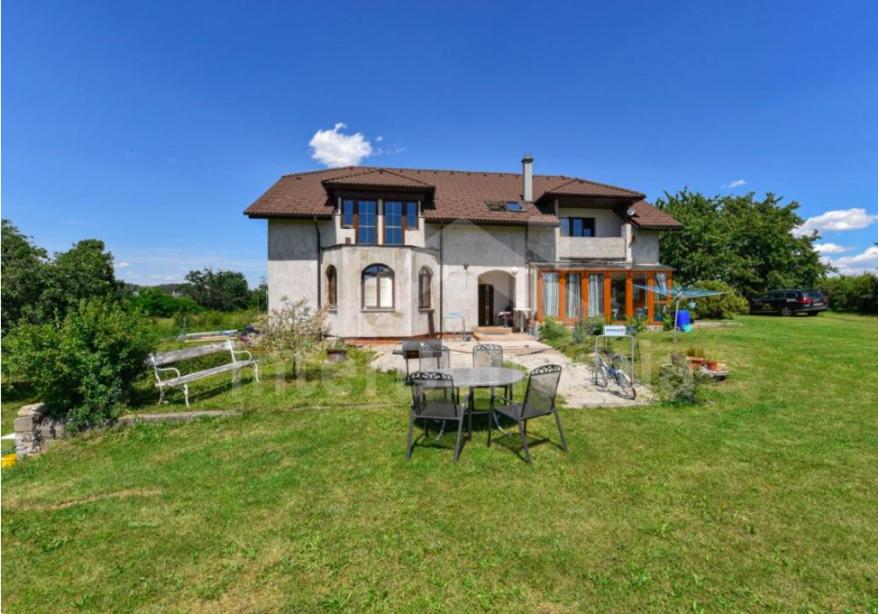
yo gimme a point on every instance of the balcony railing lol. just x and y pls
(601, 248)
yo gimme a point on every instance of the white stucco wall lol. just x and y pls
(645, 248)
(606, 222)
(292, 259)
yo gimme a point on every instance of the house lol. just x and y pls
(408, 252)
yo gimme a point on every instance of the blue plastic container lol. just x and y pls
(684, 320)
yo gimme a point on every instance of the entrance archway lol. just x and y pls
(496, 295)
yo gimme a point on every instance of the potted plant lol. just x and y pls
(712, 365)
(696, 357)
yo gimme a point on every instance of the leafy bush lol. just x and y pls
(588, 328)
(858, 293)
(722, 306)
(635, 325)
(84, 367)
(155, 303)
(552, 332)
(676, 381)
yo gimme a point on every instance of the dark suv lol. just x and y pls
(789, 302)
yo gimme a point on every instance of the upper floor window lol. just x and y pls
(393, 222)
(411, 214)
(331, 287)
(347, 213)
(367, 222)
(577, 226)
(377, 287)
(425, 288)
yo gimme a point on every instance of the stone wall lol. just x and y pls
(34, 431)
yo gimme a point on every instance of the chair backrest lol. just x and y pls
(432, 357)
(488, 355)
(434, 395)
(542, 387)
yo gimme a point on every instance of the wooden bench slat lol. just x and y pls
(167, 358)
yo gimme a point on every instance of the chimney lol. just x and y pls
(527, 175)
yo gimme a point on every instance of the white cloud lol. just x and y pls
(865, 262)
(831, 248)
(333, 148)
(737, 183)
(837, 221)
(122, 265)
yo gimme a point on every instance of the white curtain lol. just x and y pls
(661, 283)
(595, 294)
(574, 295)
(386, 285)
(550, 294)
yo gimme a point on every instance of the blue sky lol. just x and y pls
(152, 125)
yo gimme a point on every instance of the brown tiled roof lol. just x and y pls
(647, 216)
(583, 187)
(381, 177)
(455, 195)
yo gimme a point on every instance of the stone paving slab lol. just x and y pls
(575, 387)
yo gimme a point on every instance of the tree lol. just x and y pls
(259, 297)
(747, 243)
(24, 275)
(293, 332)
(85, 271)
(220, 290)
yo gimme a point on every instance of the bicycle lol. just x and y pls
(614, 367)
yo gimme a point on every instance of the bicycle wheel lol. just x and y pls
(600, 371)
(626, 384)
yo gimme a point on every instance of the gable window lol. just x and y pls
(347, 213)
(577, 226)
(367, 222)
(331, 287)
(425, 284)
(393, 222)
(411, 214)
(377, 287)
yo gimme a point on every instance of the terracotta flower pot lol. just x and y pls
(712, 365)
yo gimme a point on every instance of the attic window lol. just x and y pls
(512, 206)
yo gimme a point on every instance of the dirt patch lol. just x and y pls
(120, 494)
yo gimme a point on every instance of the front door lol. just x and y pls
(486, 305)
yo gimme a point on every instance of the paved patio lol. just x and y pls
(576, 379)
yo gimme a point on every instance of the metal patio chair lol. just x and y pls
(487, 355)
(434, 398)
(539, 400)
(433, 357)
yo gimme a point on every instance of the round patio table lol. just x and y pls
(483, 377)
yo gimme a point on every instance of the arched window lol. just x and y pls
(377, 286)
(331, 287)
(425, 285)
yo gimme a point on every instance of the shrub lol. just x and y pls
(858, 293)
(83, 368)
(588, 328)
(635, 325)
(722, 306)
(676, 381)
(155, 303)
(552, 332)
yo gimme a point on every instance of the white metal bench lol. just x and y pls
(158, 360)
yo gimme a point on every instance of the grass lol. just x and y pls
(761, 497)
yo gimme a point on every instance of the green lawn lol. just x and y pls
(764, 496)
